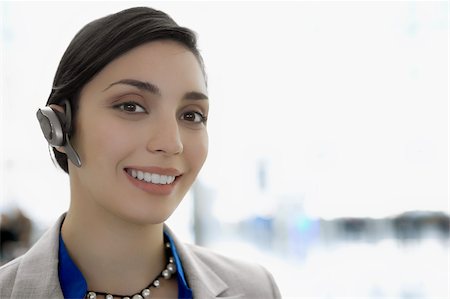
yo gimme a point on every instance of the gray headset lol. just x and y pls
(56, 127)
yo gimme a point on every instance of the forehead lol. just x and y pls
(165, 63)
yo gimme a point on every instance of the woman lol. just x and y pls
(127, 121)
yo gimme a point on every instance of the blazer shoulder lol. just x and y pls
(254, 279)
(220, 261)
(35, 273)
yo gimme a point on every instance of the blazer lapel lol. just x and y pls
(203, 281)
(37, 275)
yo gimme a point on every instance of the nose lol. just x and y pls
(165, 137)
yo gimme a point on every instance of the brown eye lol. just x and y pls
(130, 107)
(194, 117)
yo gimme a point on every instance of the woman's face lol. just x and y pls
(141, 133)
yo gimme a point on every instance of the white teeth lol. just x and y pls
(153, 178)
(148, 177)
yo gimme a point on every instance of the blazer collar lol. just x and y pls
(202, 279)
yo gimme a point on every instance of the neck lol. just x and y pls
(113, 254)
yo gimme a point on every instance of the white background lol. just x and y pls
(346, 103)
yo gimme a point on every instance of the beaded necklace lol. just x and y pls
(167, 273)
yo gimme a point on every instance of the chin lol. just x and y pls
(147, 217)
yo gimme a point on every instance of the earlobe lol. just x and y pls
(57, 108)
(60, 149)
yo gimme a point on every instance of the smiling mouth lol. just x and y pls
(153, 178)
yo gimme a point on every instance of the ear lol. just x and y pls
(59, 109)
(60, 149)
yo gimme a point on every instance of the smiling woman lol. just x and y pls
(141, 128)
(129, 105)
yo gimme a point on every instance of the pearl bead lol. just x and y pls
(168, 245)
(172, 268)
(166, 274)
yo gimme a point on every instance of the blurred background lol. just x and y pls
(328, 138)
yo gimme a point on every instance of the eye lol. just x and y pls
(194, 117)
(130, 107)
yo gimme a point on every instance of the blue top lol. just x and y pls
(74, 285)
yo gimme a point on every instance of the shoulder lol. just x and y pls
(222, 262)
(249, 278)
(26, 276)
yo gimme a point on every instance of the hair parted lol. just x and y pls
(105, 39)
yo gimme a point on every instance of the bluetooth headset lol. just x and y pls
(56, 127)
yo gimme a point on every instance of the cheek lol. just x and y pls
(112, 135)
(196, 149)
(102, 139)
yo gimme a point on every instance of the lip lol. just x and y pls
(156, 189)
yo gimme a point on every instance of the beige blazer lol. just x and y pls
(35, 274)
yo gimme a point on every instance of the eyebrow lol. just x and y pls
(195, 95)
(144, 86)
(152, 88)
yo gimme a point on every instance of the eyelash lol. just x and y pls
(121, 106)
(203, 119)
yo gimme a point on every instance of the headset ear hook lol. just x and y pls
(70, 151)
